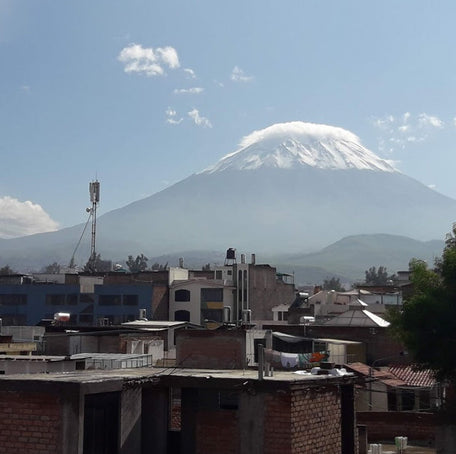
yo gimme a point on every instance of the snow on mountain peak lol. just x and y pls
(294, 144)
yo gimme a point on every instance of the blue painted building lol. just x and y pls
(28, 303)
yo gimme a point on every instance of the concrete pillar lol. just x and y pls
(155, 418)
(72, 421)
(130, 421)
(251, 423)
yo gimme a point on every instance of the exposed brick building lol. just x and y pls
(128, 412)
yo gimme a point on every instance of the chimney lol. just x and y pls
(253, 259)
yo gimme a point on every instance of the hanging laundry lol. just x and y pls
(289, 360)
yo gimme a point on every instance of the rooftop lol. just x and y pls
(121, 378)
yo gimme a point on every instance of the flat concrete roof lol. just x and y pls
(96, 381)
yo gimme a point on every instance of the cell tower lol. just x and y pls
(94, 191)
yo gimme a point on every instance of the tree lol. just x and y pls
(6, 270)
(97, 264)
(206, 267)
(378, 277)
(157, 267)
(138, 264)
(53, 268)
(427, 322)
(333, 284)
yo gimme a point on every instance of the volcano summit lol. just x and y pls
(296, 144)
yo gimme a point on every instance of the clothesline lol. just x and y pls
(293, 360)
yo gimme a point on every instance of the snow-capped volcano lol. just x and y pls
(296, 144)
(289, 187)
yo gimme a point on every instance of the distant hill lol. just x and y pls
(346, 259)
(349, 257)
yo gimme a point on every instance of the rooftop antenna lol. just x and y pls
(94, 191)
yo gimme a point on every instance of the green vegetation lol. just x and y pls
(427, 323)
(6, 270)
(138, 264)
(333, 284)
(378, 276)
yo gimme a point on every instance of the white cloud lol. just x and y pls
(190, 73)
(238, 75)
(425, 120)
(26, 88)
(148, 61)
(171, 115)
(191, 91)
(198, 120)
(23, 218)
(301, 131)
(397, 132)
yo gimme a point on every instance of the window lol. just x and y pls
(87, 298)
(425, 399)
(218, 274)
(408, 400)
(182, 316)
(182, 295)
(55, 300)
(109, 300)
(72, 299)
(16, 319)
(85, 318)
(212, 295)
(212, 315)
(130, 300)
(12, 300)
(392, 400)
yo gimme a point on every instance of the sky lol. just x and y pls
(140, 94)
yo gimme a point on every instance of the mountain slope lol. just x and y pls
(289, 188)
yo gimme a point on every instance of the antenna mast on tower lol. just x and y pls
(94, 191)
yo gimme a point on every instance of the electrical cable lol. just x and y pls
(80, 239)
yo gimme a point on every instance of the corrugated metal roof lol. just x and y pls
(358, 317)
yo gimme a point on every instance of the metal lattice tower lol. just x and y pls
(94, 191)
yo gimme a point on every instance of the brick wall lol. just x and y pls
(277, 424)
(266, 291)
(217, 432)
(30, 423)
(304, 422)
(316, 421)
(160, 302)
(211, 349)
(387, 425)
